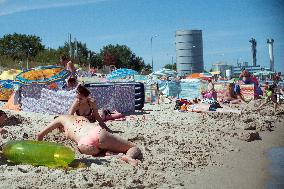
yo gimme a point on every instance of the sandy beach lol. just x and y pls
(181, 150)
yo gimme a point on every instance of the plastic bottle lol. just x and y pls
(38, 153)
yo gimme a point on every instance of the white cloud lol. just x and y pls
(11, 7)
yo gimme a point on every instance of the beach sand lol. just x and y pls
(181, 150)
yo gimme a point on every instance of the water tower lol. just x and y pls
(189, 51)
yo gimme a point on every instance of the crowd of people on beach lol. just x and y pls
(233, 95)
(86, 125)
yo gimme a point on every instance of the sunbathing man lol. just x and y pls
(87, 107)
(92, 138)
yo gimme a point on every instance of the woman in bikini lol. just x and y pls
(92, 138)
(87, 107)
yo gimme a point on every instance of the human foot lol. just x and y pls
(129, 160)
(109, 153)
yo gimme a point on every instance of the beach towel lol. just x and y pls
(220, 88)
(151, 93)
(247, 90)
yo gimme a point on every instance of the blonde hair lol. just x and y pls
(230, 88)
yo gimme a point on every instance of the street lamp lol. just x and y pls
(151, 40)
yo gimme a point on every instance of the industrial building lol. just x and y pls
(189, 51)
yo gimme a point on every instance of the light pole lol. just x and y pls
(151, 40)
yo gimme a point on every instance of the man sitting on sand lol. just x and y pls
(92, 138)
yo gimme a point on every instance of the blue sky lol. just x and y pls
(227, 26)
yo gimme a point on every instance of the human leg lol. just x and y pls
(117, 144)
(132, 155)
(114, 116)
(262, 104)
(88, 150)
(275, 107)
(113, 143)
(235, 101)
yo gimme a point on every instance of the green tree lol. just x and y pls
(121, 56)
(47, 57)
(82, 52)
(20, 46)
(171, 66)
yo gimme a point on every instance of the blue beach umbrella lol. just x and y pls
(44, 75)
(121, 73)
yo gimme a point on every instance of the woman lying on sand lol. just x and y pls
(87, 107)
(91, 138)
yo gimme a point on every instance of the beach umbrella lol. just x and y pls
(165, 72)
(265, 72)
(193, 76)
(6, 89)
(215, 73)
(205, 75)
(9, 74)
(42, 75)
(121, 73)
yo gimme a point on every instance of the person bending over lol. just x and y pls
(270, 96)
(92, 138)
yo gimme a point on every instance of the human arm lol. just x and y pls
(242, 98)
(73, 107)
(54, 125)
(97, 116)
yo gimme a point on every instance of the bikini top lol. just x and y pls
(88, 114)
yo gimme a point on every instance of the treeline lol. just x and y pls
(18, 49)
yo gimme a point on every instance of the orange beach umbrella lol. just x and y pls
(199, 76)
(194, 76)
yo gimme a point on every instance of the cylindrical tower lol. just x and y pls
(189, 51)
(271, 55)
(253, 50)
